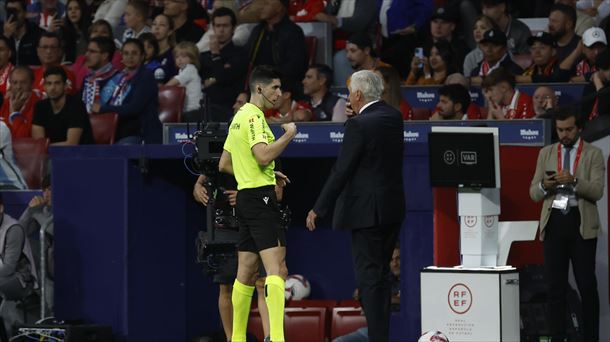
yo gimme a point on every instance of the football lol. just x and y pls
(297, 287)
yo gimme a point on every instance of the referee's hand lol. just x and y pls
(290, 129)
(311, 220)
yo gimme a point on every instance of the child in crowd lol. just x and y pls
(187, 60)
(135, 17)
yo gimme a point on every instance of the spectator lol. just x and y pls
(111, 12)
(46, 14)
(473, 112)
(347, 18)
(360, 53)
(544, 100)
(495, 55)
(583, 20)
(241, 100)
(163, 29)
(516, 31)
(504, 101)
(98, 61)
(17, 110)
(61, 118)
(287, 109)
(22, 34)
(595, 98)
(544, 67)
(134, 95)
(223, 66)
(50, 54)
(433, 69)
(187, 61)
(391, 91)
(474, 57)
(136, 14)
(11, 177)
(592, 44)
(79, 68)
(400, 21)
(562, 20)
(37, 215)
(443, 24)
(18, 277)
(151, 51)
(453, 103)
(74, 29)
(326, 106)
(5, 65)
(279, 42)
(185, 29)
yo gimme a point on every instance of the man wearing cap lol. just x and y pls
(592, 44)
(504, 101)
(516, 31)
(279, 42)
(442, 27)
(596, 94)
(562, 20)
(545, 67)
(495, 55)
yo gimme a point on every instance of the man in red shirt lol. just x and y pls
(504, 101)
(50, 53)
(17, 109)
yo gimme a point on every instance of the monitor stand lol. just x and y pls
(479, 209)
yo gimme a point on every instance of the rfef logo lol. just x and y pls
(459, 298)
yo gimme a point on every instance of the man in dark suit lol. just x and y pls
(569, 179)
(366, 183)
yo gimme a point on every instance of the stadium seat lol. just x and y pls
(305, 324)
(171, 102)
(328, 304)
(31, 157)
(421, 113)
(483, 112)
(350, 303)
(103, 126)
(346, 320)
(524, 60)
(311, 43)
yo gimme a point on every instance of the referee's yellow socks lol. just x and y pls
(241, 299)
(274, 297)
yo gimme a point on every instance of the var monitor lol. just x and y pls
(464, 157)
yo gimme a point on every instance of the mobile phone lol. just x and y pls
(11, 14)
(419, 53)
(550, 173)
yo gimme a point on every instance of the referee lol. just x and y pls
(249, 154)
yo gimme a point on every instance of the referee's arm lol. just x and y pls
(225, 164)
(266, 153)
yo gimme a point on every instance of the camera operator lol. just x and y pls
(228, 272)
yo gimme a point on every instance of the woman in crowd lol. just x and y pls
(74, 30)
(472, 60)
(133, 94)
(163, 30)
(435, 68)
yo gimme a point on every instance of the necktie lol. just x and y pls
(566, 166)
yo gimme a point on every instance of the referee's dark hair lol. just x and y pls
(263, 74)
(457, 93)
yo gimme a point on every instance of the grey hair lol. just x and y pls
(369, 83)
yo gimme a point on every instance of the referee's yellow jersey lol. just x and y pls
(247, 129)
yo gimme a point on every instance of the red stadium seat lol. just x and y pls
(312, 48)
(305, 324)
(350, 303)
(328, 304)
(31, 157)
(483, 112)
(345, 321)
(171, 102)
(103, 126)
(421, 113)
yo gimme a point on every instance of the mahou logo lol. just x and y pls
(459, 298)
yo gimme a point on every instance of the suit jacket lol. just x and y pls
(589, 189)
(366, 180)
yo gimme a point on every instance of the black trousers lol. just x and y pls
(371, 252)
(562, 244)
